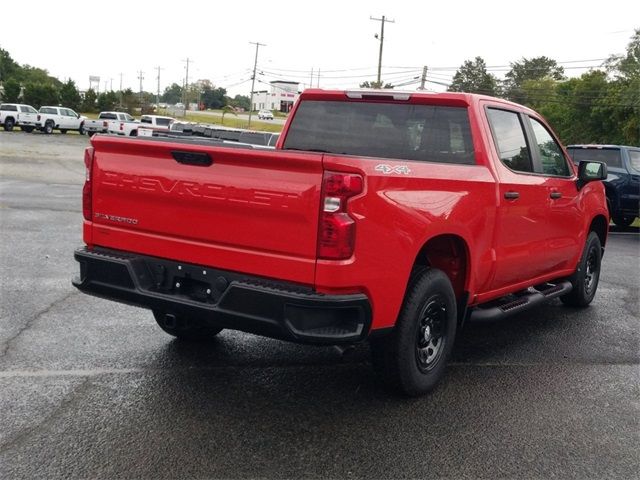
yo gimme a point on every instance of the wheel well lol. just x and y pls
(599, 225)
(450, 254)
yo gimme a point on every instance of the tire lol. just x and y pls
(622, 221)
(81, 130)
(48, 128)
(134, 133)
(186, 329)
(27, 129)
(587, 274)
(8, 124)
(412, 359)
(63, 131)
(91, 134)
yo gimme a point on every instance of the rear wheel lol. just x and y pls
(623, 221)
(81, 130)
(412, 359)
(184, 328)
(586, 277)
(48, 127)
(8, 124)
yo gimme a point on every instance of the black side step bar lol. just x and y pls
(524, 302)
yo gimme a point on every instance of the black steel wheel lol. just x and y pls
(587, 275)
(412, 359)
(193, 330)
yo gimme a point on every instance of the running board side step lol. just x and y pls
(532, 298)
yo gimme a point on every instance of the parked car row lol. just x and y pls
(47, 119)
(50, 118)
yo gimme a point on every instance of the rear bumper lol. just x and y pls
(223, 298)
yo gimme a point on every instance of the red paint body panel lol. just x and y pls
(250, 211)
(257, 212)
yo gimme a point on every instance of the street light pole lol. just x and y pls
(253, 78)
(381, 39)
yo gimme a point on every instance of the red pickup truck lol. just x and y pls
(386, 216)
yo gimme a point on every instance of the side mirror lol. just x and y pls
(590, 171)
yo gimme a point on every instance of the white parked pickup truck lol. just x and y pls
(17, 114)
(112, 122)
(59, 118)
(154, 123)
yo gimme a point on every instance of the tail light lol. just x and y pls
(105, 124)
(38, 117)
(336, 235)
(86, 190)
(121, 126)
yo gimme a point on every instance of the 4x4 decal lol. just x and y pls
(389, 169)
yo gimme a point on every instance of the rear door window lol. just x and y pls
(9, 108)
(426, 133)
(509, 137)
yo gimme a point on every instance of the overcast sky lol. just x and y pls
(74, 39)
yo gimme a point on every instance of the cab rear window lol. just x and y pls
(426, 133)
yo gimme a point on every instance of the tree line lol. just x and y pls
(36, 87)
(600, 106)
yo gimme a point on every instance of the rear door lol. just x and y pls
(521, 234)
(238, 209)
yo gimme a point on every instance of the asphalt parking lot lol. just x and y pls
(93, 389)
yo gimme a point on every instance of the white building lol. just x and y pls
(281, 97)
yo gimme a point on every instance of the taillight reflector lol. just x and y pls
(86, 189)
(336, 233)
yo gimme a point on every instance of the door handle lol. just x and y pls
(511, 195)
(555, 195)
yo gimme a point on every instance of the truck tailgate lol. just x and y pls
(249, 211)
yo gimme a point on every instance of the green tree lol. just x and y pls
(375, 84)
(214, 97)
(107, 101)
(172, 94)
(527, 70)
(227, 109)
(39, 94)
(240, 101)
(130, 101)
(472, 77)
(89, 101)
(70, 96)
(11, 91)
(8, 67)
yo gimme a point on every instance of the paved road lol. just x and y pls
(92, 389)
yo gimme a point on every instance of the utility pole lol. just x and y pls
(158, 92)
(423, 79)
(253, 78)
(381, 39)
(120, 91)
(318, 77)
(111, 84)
(311, 82)
(186, 85)
(140, 77)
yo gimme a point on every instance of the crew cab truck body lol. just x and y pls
(112, 122)
(17, 114)
(622, 185)
(59, 118)
(387, 216)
